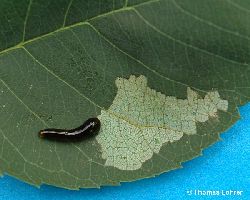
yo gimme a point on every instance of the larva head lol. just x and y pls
(94, 125)
(41, 133)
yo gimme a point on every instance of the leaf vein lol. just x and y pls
(186, 44)
(22, 43)
(26, 19)
(67, 12)
(59, 78)
(209, 23)
(238, 6)
(20, 100)
(138, 61)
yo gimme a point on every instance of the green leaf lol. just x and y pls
(165, 78)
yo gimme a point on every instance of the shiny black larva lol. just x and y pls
(88, 129)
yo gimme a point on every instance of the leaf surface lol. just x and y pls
(62, 62)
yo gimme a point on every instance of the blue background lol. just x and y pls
(223, 166)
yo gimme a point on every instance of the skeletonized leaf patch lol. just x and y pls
(141, 120)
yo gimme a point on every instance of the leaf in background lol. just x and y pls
(60, 60)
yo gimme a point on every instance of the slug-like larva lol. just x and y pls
(87, 129)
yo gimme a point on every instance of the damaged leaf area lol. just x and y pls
(165, 78)
(140, 120)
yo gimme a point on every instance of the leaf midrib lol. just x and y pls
(113, 45)
(131, 8)
(22, 43)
